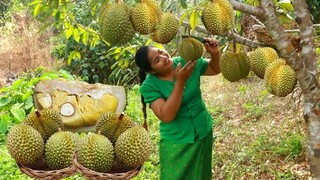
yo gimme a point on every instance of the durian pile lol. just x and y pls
(119, 22)
(40, 142)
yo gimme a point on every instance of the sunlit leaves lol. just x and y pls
(74, 55)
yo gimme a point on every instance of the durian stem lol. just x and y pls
(234, 43)
(37, 113)
(121, 116)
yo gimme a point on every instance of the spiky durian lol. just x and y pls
(260, 58)
(218, 16)
(25, 144)
(133, 147)
(112, 124)
(115, 25)
(167, 29)
(234, 66)
(95, 152)
(280, 78)
(46, 121)
(59, 149)
(190, 49)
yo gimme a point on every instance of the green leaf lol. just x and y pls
(4, 123)
(69, 32)
(318, 50)
(85, 38)
(35, 2)
(4, 101)
(193, 19)
(286, 5)
(70, 58)
(18, 112)
(36, 9)
(183, 3)
(76, 35)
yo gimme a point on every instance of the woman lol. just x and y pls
(171, 87)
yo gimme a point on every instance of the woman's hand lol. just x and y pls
(183, 74)
(212, 46)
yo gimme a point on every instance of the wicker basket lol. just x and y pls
(48, 174)
(94, 175)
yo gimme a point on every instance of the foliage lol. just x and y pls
(314, 6)
(16, 100)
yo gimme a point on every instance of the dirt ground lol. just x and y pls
(22, 48)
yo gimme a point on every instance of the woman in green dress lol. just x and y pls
(171, 87)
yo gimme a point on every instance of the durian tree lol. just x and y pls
(305, 64)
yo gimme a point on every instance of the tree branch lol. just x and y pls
(245, 8)
(236, 37)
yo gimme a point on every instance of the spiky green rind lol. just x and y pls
(155, 10)
(166, 30)
(112, 124)
(190, 49)
(46, 121)
(244, 64)
(213, 18)
(260, 58)
(234, 66)
(25, 144)
(59, 149)
(280, 78)
(228, 12)
(115, 25)
(95, 152)
(133, 147)
(142, 19)
(229, 67)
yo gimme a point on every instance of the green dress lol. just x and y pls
(186, 142)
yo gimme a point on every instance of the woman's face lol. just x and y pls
(160, 60)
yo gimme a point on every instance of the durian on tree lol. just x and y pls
(301, 56)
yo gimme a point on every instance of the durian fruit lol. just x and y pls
(234, 66)
(166, 30)
(133, 147)
(260, 58)
(59, 149)
(218, 16)
(155, 10)
(95, 152)
(190, 49)
(25, 144)
(112, 124)
(142, 19)
(46, 121)
(115, 25)
(280, 79)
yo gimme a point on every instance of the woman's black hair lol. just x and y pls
(143, 63)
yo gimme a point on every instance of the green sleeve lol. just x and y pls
(202, 64)
(149, 92)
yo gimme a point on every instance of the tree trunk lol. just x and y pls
(304, 64)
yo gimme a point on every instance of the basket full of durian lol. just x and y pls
(69, 132)
(117, 149)
(41, 147)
